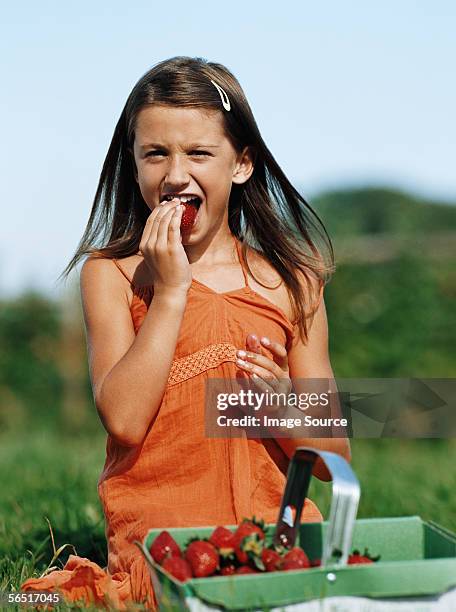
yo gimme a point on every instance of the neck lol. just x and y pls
(212, 251)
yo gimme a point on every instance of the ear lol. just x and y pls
(244, 167)
(133, 163)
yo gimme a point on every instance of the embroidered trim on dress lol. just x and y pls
(209, 357)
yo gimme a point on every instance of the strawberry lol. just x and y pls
(357, 557)
(228, 570)
(223, 539)
(246, 569)
(251, 526)
(164, 546)
(271, 560)
(188, 216)
(248, 540)
(178, 567)
(203, 558)
(295, 558)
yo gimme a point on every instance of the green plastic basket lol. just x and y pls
(418, 558)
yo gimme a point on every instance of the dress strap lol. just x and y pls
(241, 260)
(123, 272)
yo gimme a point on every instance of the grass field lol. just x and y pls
(44, 475)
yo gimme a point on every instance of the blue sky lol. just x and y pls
(345, 93)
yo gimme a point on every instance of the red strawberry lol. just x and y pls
(296, 558)
(228, 570)
(203, 558)
(164, 546)
(246, 569)
(357, 557)
(271, 559)
(178, 567)
(188, 216)
(223, 539)
(248, 540)
(251, 526)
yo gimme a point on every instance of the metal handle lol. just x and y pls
(344, 503)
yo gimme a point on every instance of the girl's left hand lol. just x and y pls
(267, 375)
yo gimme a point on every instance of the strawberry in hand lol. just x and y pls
(188, 216)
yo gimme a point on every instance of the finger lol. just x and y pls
(164, 209)
(147, 229)
(274, 403)
(149, 225)
(174, 233)
(263, 362)
(163, 227)
(264, 373)
(279, 352)
(260, 384)
(276, 378)
(253, 344)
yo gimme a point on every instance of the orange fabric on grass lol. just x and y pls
(178, 477)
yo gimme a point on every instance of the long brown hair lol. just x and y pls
(266, 213)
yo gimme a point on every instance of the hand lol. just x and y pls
(267, 375)
(161, 247)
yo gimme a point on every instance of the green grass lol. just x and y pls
(44, 475)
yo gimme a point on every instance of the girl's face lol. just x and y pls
(180, 151)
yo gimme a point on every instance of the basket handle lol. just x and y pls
(344, 503)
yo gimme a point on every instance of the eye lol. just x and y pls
(199, 153)
(155, 153)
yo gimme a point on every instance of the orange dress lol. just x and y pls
(178, 477)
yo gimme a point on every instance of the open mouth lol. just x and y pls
(189, 200)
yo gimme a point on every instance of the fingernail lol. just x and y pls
(242, 354)
(265, 341)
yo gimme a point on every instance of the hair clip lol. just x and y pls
(224, 97)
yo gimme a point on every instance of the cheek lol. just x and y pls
(219, 179)
(147, 186)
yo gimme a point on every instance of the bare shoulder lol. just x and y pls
(131, 270)
(267, 281)
(276, 289)
(100, 275)
(103, 287)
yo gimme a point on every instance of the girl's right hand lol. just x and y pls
(161, 247)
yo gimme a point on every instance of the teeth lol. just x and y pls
(181, 198)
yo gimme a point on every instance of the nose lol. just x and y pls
(177, 174)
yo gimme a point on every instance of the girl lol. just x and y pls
(212, 265)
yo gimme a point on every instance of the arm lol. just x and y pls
(311, 360)
(128, 373)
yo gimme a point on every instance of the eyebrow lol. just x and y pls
(155, 145)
